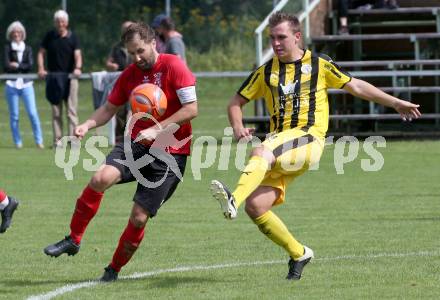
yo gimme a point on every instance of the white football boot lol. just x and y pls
(227, 202)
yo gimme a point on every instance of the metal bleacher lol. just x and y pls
(397, 50)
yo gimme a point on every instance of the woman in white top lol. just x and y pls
(18, 60)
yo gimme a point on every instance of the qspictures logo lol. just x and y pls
(208, 152)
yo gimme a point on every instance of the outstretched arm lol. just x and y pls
(99, 117)
(366, 91)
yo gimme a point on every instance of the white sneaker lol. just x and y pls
(227, 202)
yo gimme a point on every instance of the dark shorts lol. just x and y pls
(156, 180)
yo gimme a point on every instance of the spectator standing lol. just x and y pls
(18, 59)
(117, 60)
(166, 31)
(160, 42)
(62, 49)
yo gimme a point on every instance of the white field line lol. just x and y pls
(72, 287)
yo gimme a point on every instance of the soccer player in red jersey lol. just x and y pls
(178, 83)
(7, 207)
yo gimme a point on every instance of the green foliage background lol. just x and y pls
(220, 32)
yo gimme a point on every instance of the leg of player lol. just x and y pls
(8, 205)
(260, 162)
(147, 201)
(86, 207)
(128, 243)
(258, 206)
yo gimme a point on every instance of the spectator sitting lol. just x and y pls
(165, 28)
(344, 5)
(18, 59)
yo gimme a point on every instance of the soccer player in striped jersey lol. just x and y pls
(294, 85)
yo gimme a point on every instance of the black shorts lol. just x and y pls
(158, 181)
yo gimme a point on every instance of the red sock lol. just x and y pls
(2, 195)
(128, 244)
(86, 207)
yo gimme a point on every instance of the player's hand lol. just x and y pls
(147, 135)
(81, 130)
(243, 132)
(407, 110)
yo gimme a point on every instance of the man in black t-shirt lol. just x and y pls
(118, 58)
(62, 49)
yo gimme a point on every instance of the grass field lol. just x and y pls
(375, 234)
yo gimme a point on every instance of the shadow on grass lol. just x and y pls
(172, 281)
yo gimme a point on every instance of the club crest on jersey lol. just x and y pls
(306, 69)
(158, 79)
(146, 79)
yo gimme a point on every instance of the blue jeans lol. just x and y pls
(28, 96)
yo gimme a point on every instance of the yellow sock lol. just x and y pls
(272, 227)
(253, 175)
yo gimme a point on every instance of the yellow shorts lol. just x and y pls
(295, 151)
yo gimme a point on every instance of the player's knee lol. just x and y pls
(263, 152)
(251, 210)
(101, 181)
(139, 221)
(258, 151)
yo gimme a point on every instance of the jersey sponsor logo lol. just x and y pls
(290, 89)
(290, 94)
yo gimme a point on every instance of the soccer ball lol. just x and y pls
(148, 98)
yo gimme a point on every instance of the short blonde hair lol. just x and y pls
(279, 17)
(15, 26)
(61, 14)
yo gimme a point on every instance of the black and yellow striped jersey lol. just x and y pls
(296, 92)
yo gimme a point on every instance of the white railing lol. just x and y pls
(303, 16)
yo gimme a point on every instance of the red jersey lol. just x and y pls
(170, 74)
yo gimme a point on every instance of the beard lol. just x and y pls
(145, 64)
